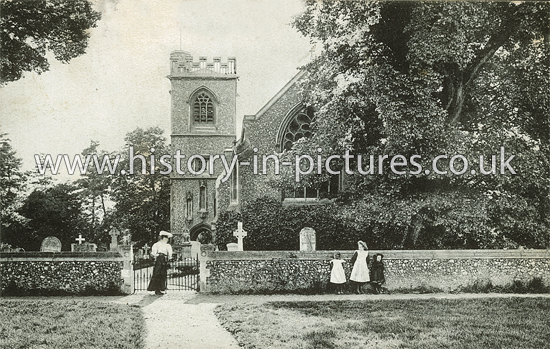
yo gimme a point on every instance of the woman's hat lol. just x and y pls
(165, 233)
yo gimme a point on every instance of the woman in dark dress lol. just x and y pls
(162, 252)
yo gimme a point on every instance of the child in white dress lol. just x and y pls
(360, 271)
(337, 275)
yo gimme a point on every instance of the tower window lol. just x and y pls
(203, 109)
(202, 196)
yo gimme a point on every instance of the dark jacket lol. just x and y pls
(377, 270)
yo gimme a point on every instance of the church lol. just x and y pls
(203, 123)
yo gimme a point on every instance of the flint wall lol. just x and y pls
(65, 273)
(445, 270)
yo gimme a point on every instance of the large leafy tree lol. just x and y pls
(30, 29)
(142, 192)
(432, 78)
(12, 185)
(52, 211)
(95, 192)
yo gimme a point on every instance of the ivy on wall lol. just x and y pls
(272, 227)
(453, 220)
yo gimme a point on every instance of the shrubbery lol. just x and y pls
(452, 220)
(272, 227)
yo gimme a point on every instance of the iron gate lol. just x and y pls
(182, 274)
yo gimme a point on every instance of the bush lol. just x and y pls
(272, 227)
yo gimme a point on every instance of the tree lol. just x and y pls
(12, 185)
(53, 211)
(433, 78)
(32, 28)
(142, 192)
(96, 195)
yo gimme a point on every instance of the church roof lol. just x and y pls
(274, 99)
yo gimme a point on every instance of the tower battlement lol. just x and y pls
(181, 64)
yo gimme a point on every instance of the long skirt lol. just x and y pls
(160, 271)
(360, 271)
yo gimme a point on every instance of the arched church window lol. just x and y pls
(298, 127)
(203, 109)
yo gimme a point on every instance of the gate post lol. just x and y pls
(206, 249)
(127, 272)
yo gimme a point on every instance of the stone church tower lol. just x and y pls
(203, 123)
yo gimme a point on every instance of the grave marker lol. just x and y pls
(240, 233)
(307, 239)
(114, 239)
(50, 244)
(146, 249)
(85, 247)
(80, 239)
(232, 246)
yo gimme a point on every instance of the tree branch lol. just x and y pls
(508, 27)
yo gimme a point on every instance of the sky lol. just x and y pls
(121, 83)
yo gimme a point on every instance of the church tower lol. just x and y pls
(203, 119)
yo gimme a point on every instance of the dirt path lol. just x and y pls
(172, 323)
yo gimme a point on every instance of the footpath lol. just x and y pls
(185, 319)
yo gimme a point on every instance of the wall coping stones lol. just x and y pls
(388, 254)
(59, 256)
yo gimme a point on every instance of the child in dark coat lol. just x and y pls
(377, 278)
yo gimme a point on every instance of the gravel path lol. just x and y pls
(171, 323)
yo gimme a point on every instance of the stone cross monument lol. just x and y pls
(114, 239)
(240, 233)
(80, 239)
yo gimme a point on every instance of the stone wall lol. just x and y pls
(448, 270)
(63, 273)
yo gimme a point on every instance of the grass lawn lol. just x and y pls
(465, 323)
(69, 324)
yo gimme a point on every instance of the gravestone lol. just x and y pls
(233, 246)
(50, 244)
(127, 239)
(146, 248)
(114, 239)
(85, 247)
(307, 239)
(240, 233)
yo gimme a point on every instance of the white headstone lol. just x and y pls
(80, 239)
(307, 239)
(233, 246)
(50, 244)
(85, 247)
(240, 233)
